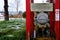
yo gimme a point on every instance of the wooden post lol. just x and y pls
(57, 12)
(29, 20)
(32, 21)
(51, 18)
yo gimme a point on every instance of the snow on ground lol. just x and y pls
(2, 19)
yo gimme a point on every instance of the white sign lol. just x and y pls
(42, 17)
(57, 15)
(41, 7)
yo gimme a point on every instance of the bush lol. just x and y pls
(13, 27)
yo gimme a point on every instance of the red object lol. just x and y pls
(51, 16)
(29, 20)
(57, 10)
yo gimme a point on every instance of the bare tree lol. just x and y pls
(6, 10)
(17, 4)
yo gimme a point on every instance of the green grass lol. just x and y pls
(16, 28)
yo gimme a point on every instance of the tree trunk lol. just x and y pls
(6, 14)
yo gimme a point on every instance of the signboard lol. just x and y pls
(57, 15)
(42, 17)
(41, 7)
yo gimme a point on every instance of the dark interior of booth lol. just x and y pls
(42, 27)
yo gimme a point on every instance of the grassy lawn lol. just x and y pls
(13, 30)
